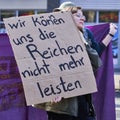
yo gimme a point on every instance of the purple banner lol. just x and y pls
(12, 100)
(11, 91)
(104, 99)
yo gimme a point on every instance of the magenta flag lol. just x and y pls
(12, 99)
(104, 99)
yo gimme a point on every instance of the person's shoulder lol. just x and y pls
(88, 30)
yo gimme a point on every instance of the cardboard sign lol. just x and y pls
(51, 56)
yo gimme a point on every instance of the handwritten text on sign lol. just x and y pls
(51, 57)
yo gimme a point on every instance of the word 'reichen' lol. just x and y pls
(53, 52)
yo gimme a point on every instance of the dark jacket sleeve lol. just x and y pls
(98, 46)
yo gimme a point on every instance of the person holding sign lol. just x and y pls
(81, 107)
